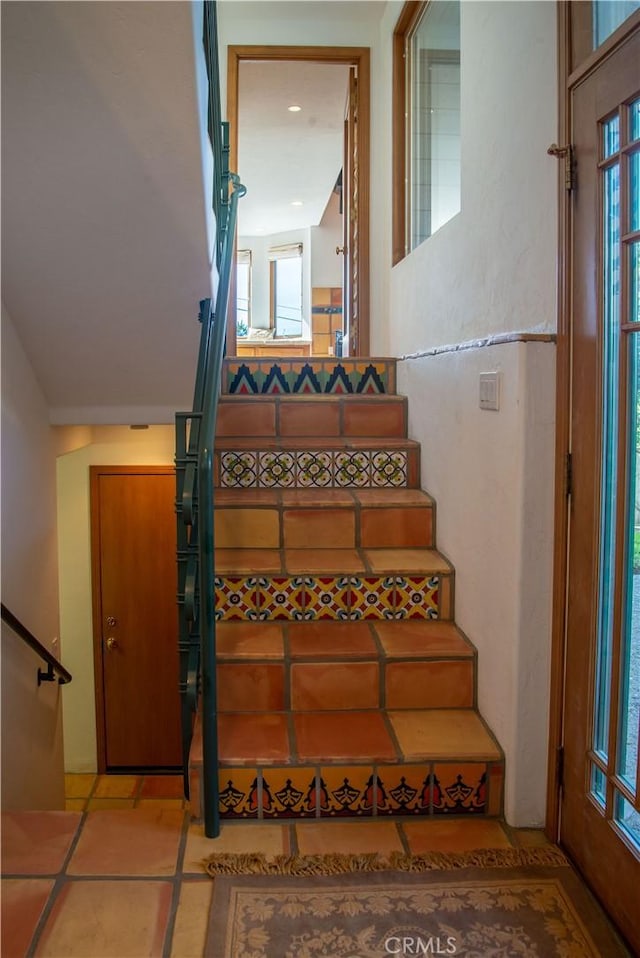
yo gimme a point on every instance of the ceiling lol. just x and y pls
(104, 248)
(283, 156)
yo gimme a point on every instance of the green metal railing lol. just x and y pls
(195, 436)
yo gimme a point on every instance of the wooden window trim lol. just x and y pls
(409, 16)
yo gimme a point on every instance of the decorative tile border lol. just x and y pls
(454, 789)
(297, 598)
(280, 469)
(254, 377)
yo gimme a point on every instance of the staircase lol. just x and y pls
(345, 688)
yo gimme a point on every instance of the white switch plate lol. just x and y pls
(490, 391)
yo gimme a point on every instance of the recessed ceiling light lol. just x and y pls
(297, 203)
(294, 108)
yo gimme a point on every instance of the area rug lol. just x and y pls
(527, 903)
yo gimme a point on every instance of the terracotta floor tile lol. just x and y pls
(253, 737)
(192, 919)
(116, 786)
(266, 839)
(103, 919)
(36, 843)
(246, 561)
(250, 686)
(323, 561)
(527, 837)
(428, 685)
(398, 527)
(326, 528)
(249, 640)
(78, 786)
(162, 786)
(347, 838)
(358, 736)
(75, 804)
(140, 841)
(406, 560)
(414, 638)
(443, 733)
(101, 803)
(326, 640)
(335, 685)
(247, 528)
(23, 900)
(459, 835)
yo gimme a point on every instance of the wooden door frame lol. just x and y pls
(95, 472)
(575, 62)
(360, 57)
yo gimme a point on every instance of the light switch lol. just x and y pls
(490, 391)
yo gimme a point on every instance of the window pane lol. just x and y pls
(634, 282)
(611, 136)
(288, 297)
(635, 120)
(434, 127)
(634, 177)
(598, 785)
(608, 15)
(609, 474)
(628, 819)
(242, 298)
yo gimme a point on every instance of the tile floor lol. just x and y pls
(119, 872)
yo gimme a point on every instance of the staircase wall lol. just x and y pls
(32, 763)
(487, 470)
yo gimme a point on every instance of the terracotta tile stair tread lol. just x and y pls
(314, 442)
(365, 562)
(360, 737)
(312, 397)
(415, 640)
(313, 498)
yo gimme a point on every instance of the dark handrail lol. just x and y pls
(195, 436)
(53, 665)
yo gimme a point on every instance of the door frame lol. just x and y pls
(360, 57)
(95, 472)
(574, 64)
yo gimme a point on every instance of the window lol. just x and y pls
(243, 291)
(426, 121)
(286, 290)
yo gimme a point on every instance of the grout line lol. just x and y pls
(176, 889)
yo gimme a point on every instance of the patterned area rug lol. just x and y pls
(519, 902)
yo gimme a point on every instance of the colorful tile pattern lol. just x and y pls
(403, 790)
(239, 795)
(326, 597)
(289, 793)
(459, 789)
(346, 791)
(280, 469)
(263, 376)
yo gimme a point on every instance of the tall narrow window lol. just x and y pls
(286, 290)
(243, 291)
(426, 121)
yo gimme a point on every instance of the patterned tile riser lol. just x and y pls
(455, 789)
(373, 468)
(266, 377)
(298, 598)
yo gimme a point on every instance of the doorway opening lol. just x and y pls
(299, 139)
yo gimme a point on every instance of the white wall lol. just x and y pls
(32, 762)
(109, 447)
(489, 271)
(326, 265)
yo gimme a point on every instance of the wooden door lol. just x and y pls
(135, 618)
(600, 811)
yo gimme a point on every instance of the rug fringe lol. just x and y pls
(307, 865)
